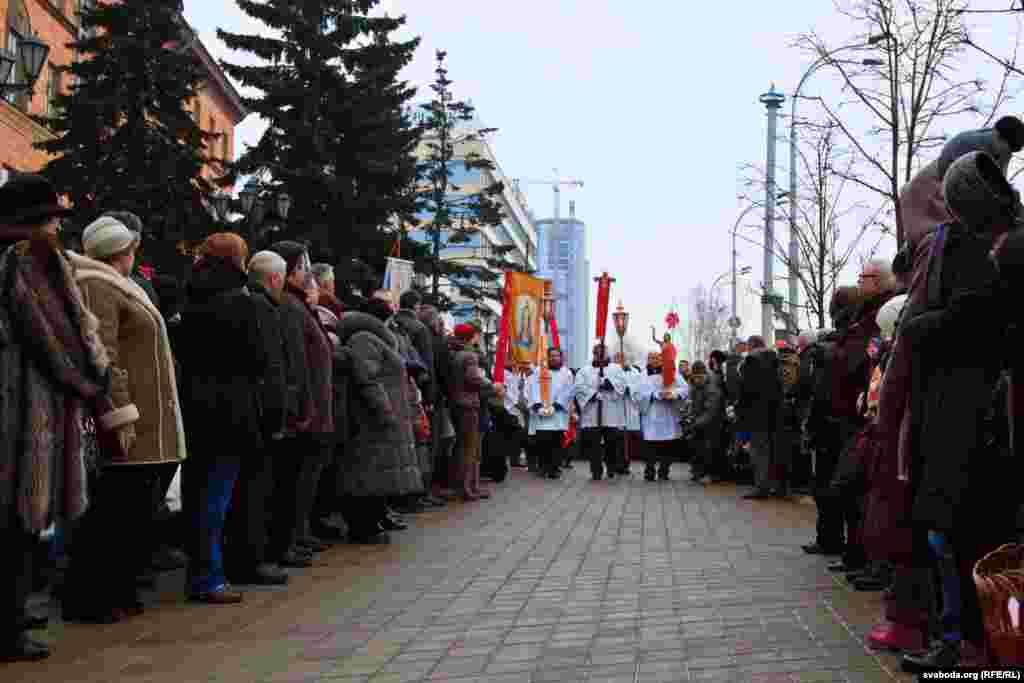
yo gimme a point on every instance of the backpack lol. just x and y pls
(789, 371)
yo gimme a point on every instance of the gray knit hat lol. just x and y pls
(978, 194)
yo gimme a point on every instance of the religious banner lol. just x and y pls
(525, 295)
(398, 277)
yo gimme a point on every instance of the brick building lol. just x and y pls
(218, 109)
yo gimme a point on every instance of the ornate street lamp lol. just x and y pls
(32, 54)
(621, 320)
(256, 203)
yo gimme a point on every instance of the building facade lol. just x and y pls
(218, 109)
(563, 260)
(517, 230)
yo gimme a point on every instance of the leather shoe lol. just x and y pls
(314, 544)
(24, 649)
(265, 574)
(942, 655)
(295, 560)
(369, 538)
(388, 524)
(221, 597)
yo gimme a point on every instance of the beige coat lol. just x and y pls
(144, 387)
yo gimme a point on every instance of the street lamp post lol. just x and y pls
(772, 102)
(734, 322)
(794, 246)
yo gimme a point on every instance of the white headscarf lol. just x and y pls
(889, 315)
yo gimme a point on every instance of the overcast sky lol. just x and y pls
(653, 105)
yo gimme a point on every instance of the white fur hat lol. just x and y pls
(889, 314)
(107, 236)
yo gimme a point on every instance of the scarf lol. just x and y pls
(62, 365)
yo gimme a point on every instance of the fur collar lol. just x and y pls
(353, 322)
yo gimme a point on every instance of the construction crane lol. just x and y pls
(556, 184)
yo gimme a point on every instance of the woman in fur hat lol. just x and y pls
(53, 366)
(146, 417)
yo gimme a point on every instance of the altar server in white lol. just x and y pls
(660, 412)
(549, 416)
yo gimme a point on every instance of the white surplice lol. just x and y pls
(661, 417)
(561, 400)
(589, 394)
(634, 378)
(515, 392)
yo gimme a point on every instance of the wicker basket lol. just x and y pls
(999, 576)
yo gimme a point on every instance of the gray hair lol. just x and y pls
(886, 278)
(323, 272)
(263, 264)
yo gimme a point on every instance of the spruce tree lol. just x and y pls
(124, 136)
(340, 140)
(451, 139)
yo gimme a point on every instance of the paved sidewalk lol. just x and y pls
(549, 581)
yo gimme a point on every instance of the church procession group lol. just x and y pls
(290, 418)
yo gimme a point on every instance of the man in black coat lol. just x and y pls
(707, 407)
(246, 558)
(760, 394)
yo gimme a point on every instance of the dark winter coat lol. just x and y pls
(760, 392)
(421, 339)
(732, 377)
(380, 459)
(273, 388)
(299, 399)
(223, 355)
(318, 353)
(707, 406)
(955, 475)
(467, 380)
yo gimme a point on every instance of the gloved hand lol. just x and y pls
(126, 437)
(607, 386)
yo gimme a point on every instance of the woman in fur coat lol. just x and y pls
(53, 367)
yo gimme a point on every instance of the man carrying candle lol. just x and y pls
(549, 395)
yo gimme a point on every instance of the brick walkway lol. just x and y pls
(549, 581)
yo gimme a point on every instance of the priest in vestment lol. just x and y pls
(660, 411)
(600, 393)
(549, 415)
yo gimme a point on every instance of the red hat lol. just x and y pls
(464, 332)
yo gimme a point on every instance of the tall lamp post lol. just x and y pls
(794, 246)
(772, 101)
(257, 203)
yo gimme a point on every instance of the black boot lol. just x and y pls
(649, 474)
(942, 655)
(24, 649)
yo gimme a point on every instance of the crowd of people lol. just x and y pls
(248, 419)
(245, 420)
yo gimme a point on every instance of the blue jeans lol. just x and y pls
(207, 485)
(949, 576)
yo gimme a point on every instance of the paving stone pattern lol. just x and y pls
(562, 581)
